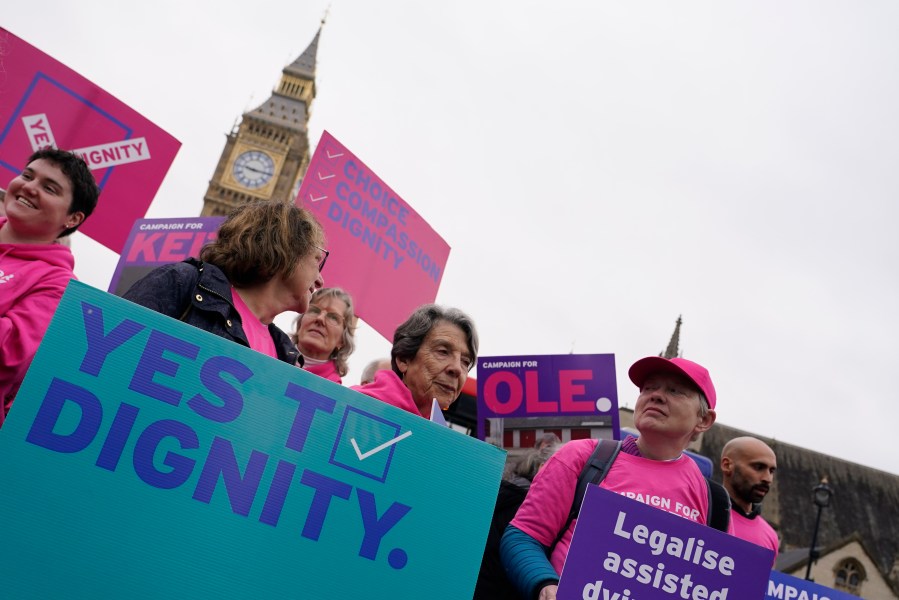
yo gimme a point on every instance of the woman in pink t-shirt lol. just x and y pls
(676, 403)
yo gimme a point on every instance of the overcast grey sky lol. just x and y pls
(598, 169)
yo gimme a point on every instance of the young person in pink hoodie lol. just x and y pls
(50, 199)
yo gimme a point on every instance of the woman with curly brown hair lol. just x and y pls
(266, 260)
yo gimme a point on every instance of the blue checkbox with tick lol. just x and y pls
(365, 443)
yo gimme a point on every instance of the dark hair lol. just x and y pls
(85, 192)
(409, 336)
(262, 239)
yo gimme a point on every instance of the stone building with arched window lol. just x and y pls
(858, 539)
(845, 565)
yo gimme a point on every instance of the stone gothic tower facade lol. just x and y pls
(266, 156)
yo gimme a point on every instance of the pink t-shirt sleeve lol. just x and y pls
(545, 508)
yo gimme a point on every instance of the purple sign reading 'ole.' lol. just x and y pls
(532, 386)
(547, 386)
(625, 550)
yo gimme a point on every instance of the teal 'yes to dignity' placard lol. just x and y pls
(144, 458)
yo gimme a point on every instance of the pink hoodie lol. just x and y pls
(390, 389)
(327, 369)
(32, 280)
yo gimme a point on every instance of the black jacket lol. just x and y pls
(199, 294)
(493, 584)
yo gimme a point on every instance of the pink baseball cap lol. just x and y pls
(696, 373)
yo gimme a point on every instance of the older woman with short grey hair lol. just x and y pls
(433, 351)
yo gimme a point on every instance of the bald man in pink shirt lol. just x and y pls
(748, 465)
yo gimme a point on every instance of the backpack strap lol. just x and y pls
(594, 472)
(719, 506)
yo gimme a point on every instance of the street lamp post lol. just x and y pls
(821, 495)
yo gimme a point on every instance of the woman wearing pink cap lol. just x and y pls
(676, 403)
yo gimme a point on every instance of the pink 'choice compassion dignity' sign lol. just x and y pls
(46, 104)
(384, 254)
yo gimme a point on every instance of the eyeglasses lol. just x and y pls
(321, 265)
(330, 317)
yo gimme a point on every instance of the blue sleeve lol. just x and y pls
(525, 561)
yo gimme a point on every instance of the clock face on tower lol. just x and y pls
(253, 169)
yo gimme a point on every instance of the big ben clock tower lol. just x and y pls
(267, 155)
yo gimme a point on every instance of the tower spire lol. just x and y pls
(673, 351)
(291, 101)
(304, 65)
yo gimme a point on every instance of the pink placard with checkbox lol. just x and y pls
(382, 252)
(45, 103)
